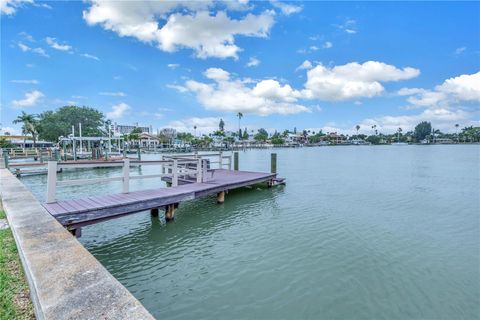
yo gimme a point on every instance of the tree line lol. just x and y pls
(51, 125)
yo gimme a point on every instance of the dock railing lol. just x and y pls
(174, 167)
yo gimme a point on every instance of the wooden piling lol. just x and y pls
(221, 197)
(5, 158)
(77, 232)
(273, 163)
(154, 212)
(170, 211)
(235, 161)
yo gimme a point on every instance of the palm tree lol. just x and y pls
(240, 116)
(374, 127)
(195, 131)
(29, 126)
(358, 128)
(456, 131)
(399, 130)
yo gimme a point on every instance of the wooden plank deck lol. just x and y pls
(75, 213)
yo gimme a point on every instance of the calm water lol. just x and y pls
(358, 232)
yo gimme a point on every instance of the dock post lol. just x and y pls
(64, 152)
(199, 170)
(154, 212)
(5, 158)
(57, 155)
(138, 154)
(235, 161)
(175, 173)
(77, 232)
(126, 175)
(51, 181)
(221, 197)
(74, 150)
(220, 160)
(273, 163)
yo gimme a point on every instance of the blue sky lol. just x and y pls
(310, 65)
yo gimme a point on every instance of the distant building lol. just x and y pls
(27, 142)
(126, 129)
(444, 141)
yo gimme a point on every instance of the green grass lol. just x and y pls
(14, 294)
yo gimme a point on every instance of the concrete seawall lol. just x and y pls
(65, 280)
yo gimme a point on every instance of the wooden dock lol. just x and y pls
(189, 178)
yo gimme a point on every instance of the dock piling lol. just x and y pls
(51, 181)
(235, 161)
(170, 211)
(175, 173)
(126, 175)
(154, 212)
(221, 197)
(273, 163)
(5, 158)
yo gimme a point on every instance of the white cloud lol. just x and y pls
(26, 36)
(306, 65)
(313, 48)
(43, 5)
(90, 56)
(327, 45)
(9, 7)
(177, 87)
(234, 95)
(79, 97)
(462, 89)
(443, 119)
(118, 111)
(353, 80)
(31, 99)
(113, 94)
(52, 42)
(25, 81)
(23, 47)
(460, 50)
(444, 106)
(409, 91)
(253, 62)
(10, 130)
(173, 66)
(286, 9)
(465, 87)
(204, 125)
(349, 26)
(39, 51)
(209, 35)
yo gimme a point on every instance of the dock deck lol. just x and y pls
(76, 213)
